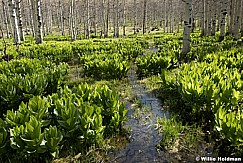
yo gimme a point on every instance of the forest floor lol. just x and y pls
(139, 141)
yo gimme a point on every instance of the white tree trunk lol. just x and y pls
(9, 14)
(135, 16)
(241, 18)
(95, 18)
(107, 19)
(144, 15)
(114, 18)
(62, 17)
(187, 27)
(171, 17)
(214, 18)
(87, 19)
(223, 13)
(205, 25)
(31, 17)
(73, 20)
(103, 18)
(117, 19)
(209, 21)
(5, 18)
(124, 18)
(237, 20)
(37, 19)
(231, 17)
(165, 20)
(14, 21)
(20, 20)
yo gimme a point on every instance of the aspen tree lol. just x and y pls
(231, 17)
(209, 19)
(73, 20)
(62, 17)
(5, 18)
(171, 17)
(10, 19)
(187, 27)
(135, 16)
(223, 12)
(241, 18)
(237, 20)
(95, 17)
(14, 21)
(37, 19)
(117, 19)
(107, 19)
(144, 15)
(87, 19)
(165, 18)
(31, 18)
(124, 18)
(205, 18)
(103, 17)
(214, 17)
(20, 20)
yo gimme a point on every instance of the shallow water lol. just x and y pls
(142, 121)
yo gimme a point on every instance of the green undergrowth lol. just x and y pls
(209, 94)
(179, 138)
(74, 119)
(23, 79)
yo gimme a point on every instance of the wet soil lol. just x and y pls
(142, 121)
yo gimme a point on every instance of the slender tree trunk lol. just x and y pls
(45, 19)
(135, 16)
(10, 20)
(62, 17)
(171, 17)
(231, 18)
(14, 21)
(241, 20)
(209, 30)
(165, 20)
(144, 15)
(87, 19)
(214, 20)
(20, 20)
(124, 18)
(37, 18)
(95, 18)
(116, 18)
(73, 21)
(5, 18)
(4, 42)
(223, 13)
(187, 27)
(49, 20)
(203, 18)
(237, 20)
(39, 35)
(31, 17)
(193, 20)
(103, 18)
(107, 19)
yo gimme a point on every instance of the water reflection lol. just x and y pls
(144, 136)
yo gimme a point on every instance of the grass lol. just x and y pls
(182, 141)
(94, 154)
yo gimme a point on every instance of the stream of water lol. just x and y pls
(144, 136)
